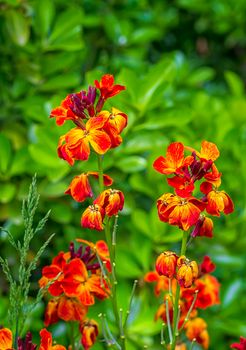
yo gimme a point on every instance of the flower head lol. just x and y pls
(239, 346)
(92, 217)
(46, 341)
(89, 331)
(107, 87)
(197, 329)
(166, 264)
(112, 201)
(187, 272)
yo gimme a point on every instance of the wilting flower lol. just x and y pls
(203, 227)
(46, 341)
(197, 329)
(89, 331)
(166, 264)
(111, 201)
(187, 272)
(239, 346)
(75, 145)
(80, 188)
(64, 308)
(77, 283)
(174, 161)
(183, 212)
(218, 201)
(92, 217)
(6, 339)
(107, 87)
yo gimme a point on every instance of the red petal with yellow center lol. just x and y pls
(80, 188)
(100, 141)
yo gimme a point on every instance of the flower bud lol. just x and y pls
(92, 217)
(89, 331)
(166, 264)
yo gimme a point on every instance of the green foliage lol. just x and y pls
(19, 304)
(183, 65)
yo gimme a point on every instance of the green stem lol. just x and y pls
(72, 336)
(100, 171)
(177, 295)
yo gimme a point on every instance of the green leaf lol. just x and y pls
(200, 76)
(7, 192)
(235, 83)
(127, 265)
(18, 27)
(6, 153)
(131, 164)
(64, 81)
(44, 15)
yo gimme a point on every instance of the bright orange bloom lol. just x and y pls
(67, 309)
(174, 161)
(218, 201)
(92, 217)
(214, 177)
(166, 264)
(184, 186)
(107, 87)
(101, 249)
(78, 284)
(46, 341)
(54, 273)
(116, 122)
(162, 282)
(187, 272)
(6, 339)
(89, 331)
(203, 227)
(111, 201)
(239, 346)
(80, 188)
(197, 328)
(179, 211)
(75, 145)
(63, 112)
(209, 151)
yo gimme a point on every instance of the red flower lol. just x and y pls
(46, 341)
(92, 217)
(241, 345)
(203, 227)
(197, 329)
(174, 161)
(207, 266)
(214, 177)
(63, 112)
(75, 145)
(89, 331)
(166, 264)
(80, 188)
(110, 200)
(184, 186)
(107, 87)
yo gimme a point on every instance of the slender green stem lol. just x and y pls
(100, 171)
(177, 295)
(72, 336)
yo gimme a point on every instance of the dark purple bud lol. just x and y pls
(93, 266)
(197, 227)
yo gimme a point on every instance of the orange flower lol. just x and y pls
(75, 145)
(162, 282)
(116, 122)
(46, 341)
(187, 272)
(63, 112)
(203, 227)
(208, 291)
(174, 161)
(184, 186)
(197, 329)
(207, 266)
(166, 264)
(218, 201)
(179, 211)
(54, 274)
(80, 188)
(107, 87)
(6, 339)
(77, 283)
(214, 177)
(89, 331)
(110, 200)
(67, 309)
(209, 151)
(92, 217)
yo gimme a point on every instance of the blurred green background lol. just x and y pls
(184, 65)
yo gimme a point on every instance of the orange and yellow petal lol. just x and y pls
(92, 217)
(197, 328)
(89, 332)
(6, 339)
(80, 189)
(166, 264)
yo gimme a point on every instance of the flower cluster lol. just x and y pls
(182, 209)
(6, 341)
(74, 279)
(201, 292)
(97, 129)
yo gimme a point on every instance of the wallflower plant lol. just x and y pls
(86, 273)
